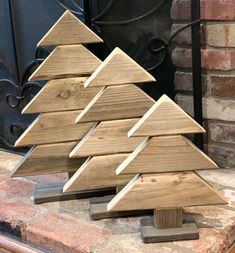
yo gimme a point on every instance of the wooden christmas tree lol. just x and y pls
(166, 181)
(54, 132)
(117, 107)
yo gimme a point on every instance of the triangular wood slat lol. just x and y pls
(68, 30)
(163, 191)
(109, 137)
(48, 159)
(67, 61)
(62, 95)
(54, 127)
(165, 154)
(118, 68)
(165, 117)
(118, 102)
(98, 172)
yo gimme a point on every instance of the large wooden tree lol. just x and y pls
(54, 132)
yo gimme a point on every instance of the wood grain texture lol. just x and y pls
(165, 117)
(109, 137)
(165, 154)
(67, 61)
(165, 190)
(62, 95)
(48, 159)
(68, 30)
(169, 218)
(117, 102)
(98, 172)
(118, 68)
(150, 234)
(54, 192)
(54, 127)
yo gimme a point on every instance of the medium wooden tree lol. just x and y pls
(116, 108)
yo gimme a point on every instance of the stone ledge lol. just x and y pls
(65, 226)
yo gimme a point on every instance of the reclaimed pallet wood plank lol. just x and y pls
(98, 172)
(48, 159)
(165, 154)
(69, 30)
(54, 192)
(62, 95)
(165, 117)
(164, 191)
(108, 137)
(66, 61)
(117, 102)
(118, 68)
(54, 127)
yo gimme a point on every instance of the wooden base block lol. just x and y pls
(98, 210)
(100, 200)
(54, 192)
(150, 234)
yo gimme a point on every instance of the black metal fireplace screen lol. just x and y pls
(140, 28)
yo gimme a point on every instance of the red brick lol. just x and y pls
(11, 210)
(19, 187)
(69, 235)
(210, 10)
(182, 57)
(222, 85)
(218, 59)
(13, 217)
(213, 108)
(183, 81)
(218, 9)
(181, 10)
(184, 37)
(222, 132)
(212, 59)
(209, 242)
(223, 155)
(220, 35)
(3, 178)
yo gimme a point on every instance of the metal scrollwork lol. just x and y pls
(72, 6)
(152, 52)
(13, 98)
(163, 49)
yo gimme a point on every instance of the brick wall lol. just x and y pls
(218, 62)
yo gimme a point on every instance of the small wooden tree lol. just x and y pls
(166, 181)
(60, 101)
